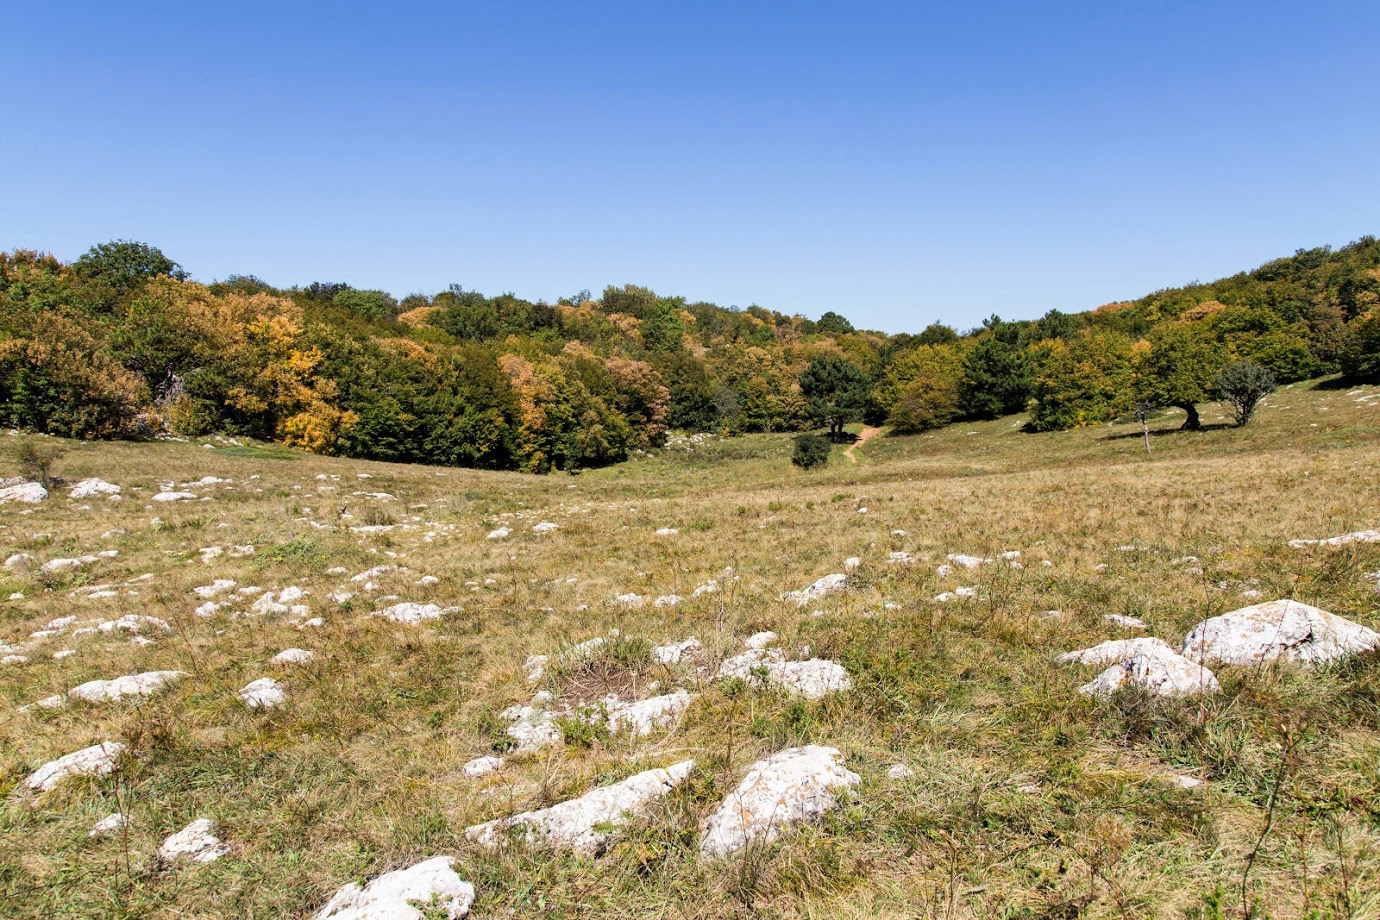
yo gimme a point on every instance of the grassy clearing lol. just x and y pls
(1027, 800)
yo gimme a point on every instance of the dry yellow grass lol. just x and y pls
(1026, 800)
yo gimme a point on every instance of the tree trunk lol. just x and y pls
(1192, 423)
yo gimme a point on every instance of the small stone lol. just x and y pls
(264, 693)
(196, 842)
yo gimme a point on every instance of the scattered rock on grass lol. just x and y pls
(97, 760)
(587, 823)
(828, 584)
(789, 787)
(402, 894)
(196, 842)
(1281, 629)
(264, 693)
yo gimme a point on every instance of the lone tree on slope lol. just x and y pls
(835, 393)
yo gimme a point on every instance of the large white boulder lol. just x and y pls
(1158, 673)
(586, 824)
(789, 787)
(108, 691)
(30, 493)
(820, 587)
(1281, 629)
(97, 760)
(1116, 650)
(196, 842)
(398, 895)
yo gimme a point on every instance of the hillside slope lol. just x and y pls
(1019, 794)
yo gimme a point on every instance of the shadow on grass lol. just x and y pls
(1165, 432)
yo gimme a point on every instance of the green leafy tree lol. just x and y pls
(1176, 367)
(927, 383)
(832, 323)
(1242, 385)
(126, 264)
(1081, 380)
(835, 393)
(373, 304)
(936, 334)
(1361, 349)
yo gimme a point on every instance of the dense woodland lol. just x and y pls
(120, 343)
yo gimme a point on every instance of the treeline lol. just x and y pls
(120, 343)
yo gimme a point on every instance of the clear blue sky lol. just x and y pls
(899, 163)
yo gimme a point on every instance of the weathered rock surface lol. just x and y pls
(789, 787)
(642, 717)
(264, 693)
(1282, 629)
(813, 679)
(1158, 673)
(820, 587)
(411, 613)
(97, 760)
(293, 656)
(587, 823)
(196, 842)
(431, 884)
(93, 487)
(30, 493)
(108, 691)
(1360, 536)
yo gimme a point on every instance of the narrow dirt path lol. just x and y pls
(864, 436)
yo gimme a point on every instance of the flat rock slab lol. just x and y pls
(196, 842)
(108, 691)
(813, 679)
(1360, 536)
(820, 587)
(1278, 630)
(30, 493)
(97, 760)
(586, 824)
(789, 787)
(398, 895)
(411, 614)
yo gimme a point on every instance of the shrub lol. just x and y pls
(1242, 385)
(811, 450)
(36, 461)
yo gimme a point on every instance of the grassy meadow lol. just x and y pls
(1026, 799)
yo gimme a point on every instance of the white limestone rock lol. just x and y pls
(1119, 619)
(481, 766)
(97, 760)
(219, 586)
(134, 623)
(110, 824)
(1114, 650)
(642, 717)
(108, 691)
(587, 823)
(18, 561)
(545, 527)
(411, 613)
(852, 564)
(402, 894)
(820, 587)
(760, 640)
(1360, 536)
(533, 727)
(1278, 630)
(196, 842)
(535, 667)
(667, 600)
(93, 488)
(264, 693)
(293, 656)
(813, 679)
(29, 493)
(1160, 674)
(676, 652)
(174, 497)
(899, 771)
(789, 787)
